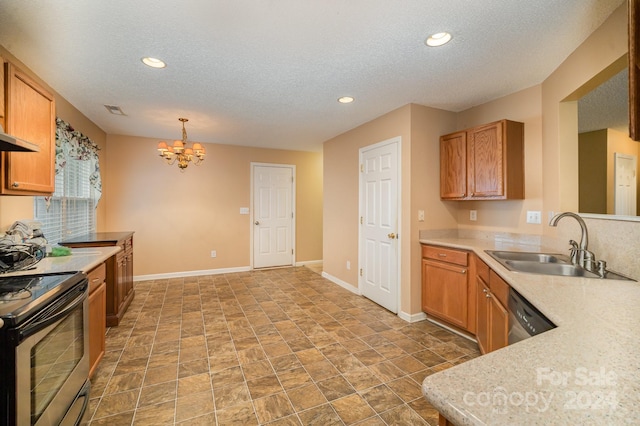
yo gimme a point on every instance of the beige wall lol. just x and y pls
(341, 177)
(178, 218)
(509, 216)
(571, 80)
(419, 128)
(427, 124)
(592, 170)
(13, 208)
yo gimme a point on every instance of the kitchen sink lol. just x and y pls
(546, 264)
(528, 257)
(563, 269)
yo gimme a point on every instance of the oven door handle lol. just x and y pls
(39, 325)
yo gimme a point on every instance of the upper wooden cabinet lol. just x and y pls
(30, 114)
(483, 163)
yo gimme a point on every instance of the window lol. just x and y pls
(70, 211)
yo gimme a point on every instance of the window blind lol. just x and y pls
(71, 209)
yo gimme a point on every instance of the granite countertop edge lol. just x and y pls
(587, 368)
(80, 260)
(99, 237)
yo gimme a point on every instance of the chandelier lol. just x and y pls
(180, 153)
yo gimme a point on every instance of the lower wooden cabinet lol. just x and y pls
(493, 318)
(97, 315)
(446, 291)
(119, 280)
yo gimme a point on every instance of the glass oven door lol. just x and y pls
(52, 359)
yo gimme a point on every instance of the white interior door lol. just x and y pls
(273, 220)
(379, 206)
(625, 184)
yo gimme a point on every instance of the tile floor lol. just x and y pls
(278, 347)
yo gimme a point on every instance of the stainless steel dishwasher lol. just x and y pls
(524, 319)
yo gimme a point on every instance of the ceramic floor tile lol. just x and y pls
(155, 394)
(152, 415)
(381, 398)
(272, 407)
(352, 409)
(279, 347)
(335, 387)
(306, 397)
(323, 415)
(230, 395)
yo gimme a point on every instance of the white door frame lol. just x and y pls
(398, 141)
(293, 209)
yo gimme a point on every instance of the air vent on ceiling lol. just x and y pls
(114, 109)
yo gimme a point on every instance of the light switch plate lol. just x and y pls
(420, 215)
(244, 210)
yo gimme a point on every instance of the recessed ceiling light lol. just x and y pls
(345, 99)
(153, 62)
(438, 39)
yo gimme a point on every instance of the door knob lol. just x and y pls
(391, 236)
(256, 222)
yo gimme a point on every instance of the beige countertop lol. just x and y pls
(81, 259)
(585, 371)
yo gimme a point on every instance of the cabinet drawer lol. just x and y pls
(96, 277)
(499, 288)
(445, 255)
(482, 270)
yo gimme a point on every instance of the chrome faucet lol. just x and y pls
(580, 254)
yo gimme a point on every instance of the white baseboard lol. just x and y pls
(341, 283)
(308, 262)
(191, 273)
(421, 316)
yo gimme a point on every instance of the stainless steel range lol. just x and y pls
(44, 360)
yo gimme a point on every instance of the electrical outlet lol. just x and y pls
(534, 216)
(348, 265)
(213, 253)
(420, 215)
(473, 215)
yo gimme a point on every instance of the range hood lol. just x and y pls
(11, 143)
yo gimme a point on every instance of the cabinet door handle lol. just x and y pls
(442, 255)
(464, 271)
(15, 184)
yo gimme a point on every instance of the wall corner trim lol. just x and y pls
(420, 316)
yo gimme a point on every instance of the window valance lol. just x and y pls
(70, 143)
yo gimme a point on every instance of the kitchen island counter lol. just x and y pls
(585, 371)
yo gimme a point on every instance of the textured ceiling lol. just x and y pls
(267, 73)
(607, 106)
